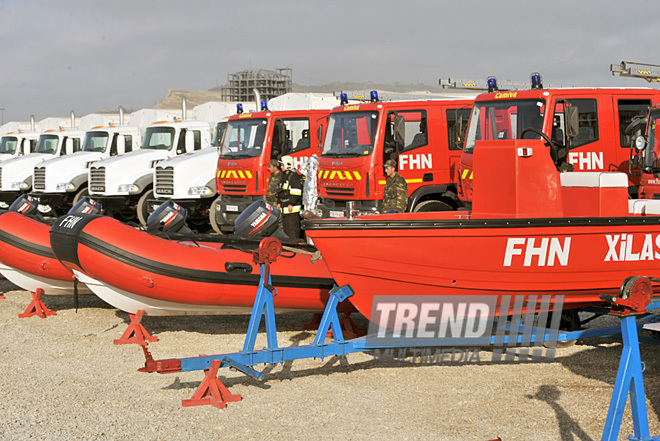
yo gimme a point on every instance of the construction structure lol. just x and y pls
(240, 85)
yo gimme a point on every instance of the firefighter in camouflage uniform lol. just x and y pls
(273, 182)
(395, 195)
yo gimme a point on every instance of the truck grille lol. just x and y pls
(97, 179)
(234, 188)
(39, 178)
(338, 191)
(165, 180)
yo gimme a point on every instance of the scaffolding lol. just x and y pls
(240, 85)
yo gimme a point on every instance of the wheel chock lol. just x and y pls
(135, 333)
(36, 306)
(211, 390)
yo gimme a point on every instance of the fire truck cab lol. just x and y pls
(584, 128)
(422, 136)
(251, 140)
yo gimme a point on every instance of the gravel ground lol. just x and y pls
(62, 378)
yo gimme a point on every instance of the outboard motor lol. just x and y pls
(86, 205)
(260, 219)
(25, 204)
(169, 217)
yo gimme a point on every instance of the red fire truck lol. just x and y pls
(423, 136)
(251, 140)
(584, 128)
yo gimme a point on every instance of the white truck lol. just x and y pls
(122, 183)
(16, 173)
(61, 182)
(189, 179)
(18, 139)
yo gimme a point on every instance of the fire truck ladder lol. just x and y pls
(648, 72)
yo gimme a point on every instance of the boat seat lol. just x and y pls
(588, 194)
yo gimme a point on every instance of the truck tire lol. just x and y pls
(432, 205)
(212, 221)
(81, 194)
(143, 207)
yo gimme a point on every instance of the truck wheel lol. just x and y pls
(81, 194)
(432, 205)
(143, 207)
(212, 221)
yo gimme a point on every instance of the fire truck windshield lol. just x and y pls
(350, 134)
(47, 144)
(95, 142)
(492, 120)
(244, 138)
(8, 144)
(159, 138)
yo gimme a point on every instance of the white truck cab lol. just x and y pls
(62, 181)
(189, 180)
(16, 173)
(122, 183)
(15, 144)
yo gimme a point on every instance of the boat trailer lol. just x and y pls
(634, 299)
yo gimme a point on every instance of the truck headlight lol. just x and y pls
(200, 191)
(20, 185)
(66, 186)
(128, 188)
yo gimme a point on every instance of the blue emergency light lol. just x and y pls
(343, 99)
(264, 105)
(374, 96)
(492, 84)
(536, 81)
(239, 108)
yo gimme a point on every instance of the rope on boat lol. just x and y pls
(315, 255)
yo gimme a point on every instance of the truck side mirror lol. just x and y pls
(190, 141)
(121, 146)
(572, 121)
(399, 132)
(319, 135)
(67, 149)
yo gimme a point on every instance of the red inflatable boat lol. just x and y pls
(536, 232)
(27, 258)
(133, 270)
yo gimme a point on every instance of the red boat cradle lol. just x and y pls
(36, 306)
(211, 390)
(135, 333)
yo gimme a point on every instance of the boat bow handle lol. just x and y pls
(231, 267)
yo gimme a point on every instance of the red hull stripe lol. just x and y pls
(196, 275)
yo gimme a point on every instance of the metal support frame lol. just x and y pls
(36, 306)
(136, 333)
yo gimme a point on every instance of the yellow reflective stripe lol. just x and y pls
(413, 181)
(325, 175)
(357, 176)
(381, 182)
(295, 209)
(295, 191)
(465, 173)
(471, 175)
(241, 174)
(249, 174)
(332, 175)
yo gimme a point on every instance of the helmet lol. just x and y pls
(287, 163)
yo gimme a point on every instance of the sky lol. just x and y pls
(87, 55)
